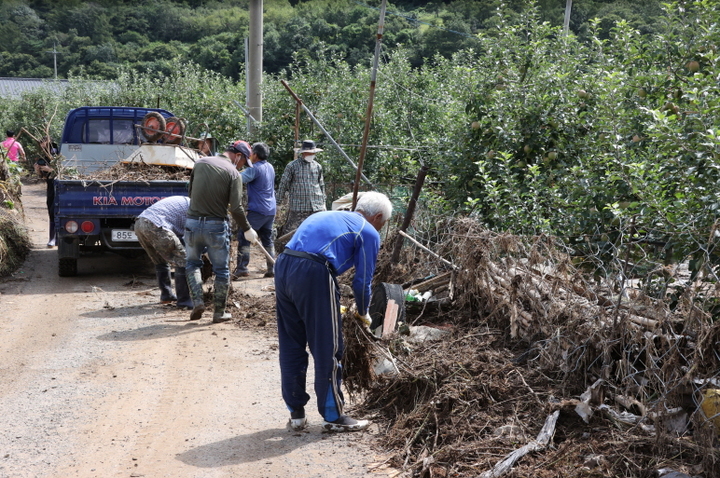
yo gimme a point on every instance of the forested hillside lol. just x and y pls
(93, 39)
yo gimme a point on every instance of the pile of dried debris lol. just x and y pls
(14, 239)
(541, 371)
(136, 171)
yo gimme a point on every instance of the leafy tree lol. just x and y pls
(104, 53)
(90, 20)
(211, 53)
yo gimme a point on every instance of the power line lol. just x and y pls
(379, 146)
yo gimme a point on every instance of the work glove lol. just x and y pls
(364, 319)
(251, 236)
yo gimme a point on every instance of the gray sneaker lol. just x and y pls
(297, 424)
(298, 421)
(219, 319)
(345, 424)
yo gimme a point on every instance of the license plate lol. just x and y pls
(123, 235)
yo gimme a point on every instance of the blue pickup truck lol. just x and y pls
(98, 214)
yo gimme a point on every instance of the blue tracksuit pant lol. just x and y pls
(308, 314)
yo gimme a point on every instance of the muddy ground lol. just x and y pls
(97, 379)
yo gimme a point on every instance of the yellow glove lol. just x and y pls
(364, 319)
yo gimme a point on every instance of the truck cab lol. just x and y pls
(97, 137)
(94, 212)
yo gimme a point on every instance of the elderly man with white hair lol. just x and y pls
(325, 245)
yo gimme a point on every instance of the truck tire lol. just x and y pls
(153, 121)
(67, 267)
(174, 126)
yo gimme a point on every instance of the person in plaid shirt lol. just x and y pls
(303, 181)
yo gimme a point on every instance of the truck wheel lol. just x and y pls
(153, 121)
(174, 126)
(67, 267)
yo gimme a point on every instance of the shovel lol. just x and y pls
(267, 254)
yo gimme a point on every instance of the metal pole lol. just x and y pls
(322, 128)
(368, 113)
(566, 25)
(255, 59)
(244, 110)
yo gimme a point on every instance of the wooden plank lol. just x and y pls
(391, 313)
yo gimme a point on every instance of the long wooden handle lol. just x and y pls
(267, 254)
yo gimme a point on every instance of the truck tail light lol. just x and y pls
(71, 227)
(87, 227)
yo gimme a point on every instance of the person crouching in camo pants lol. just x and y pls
(159, 230)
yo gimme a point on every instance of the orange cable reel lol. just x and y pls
(174, 130)
(153, 126)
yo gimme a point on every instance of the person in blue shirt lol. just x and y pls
(259, 178)
(325, 245)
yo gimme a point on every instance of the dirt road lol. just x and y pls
(97, 379)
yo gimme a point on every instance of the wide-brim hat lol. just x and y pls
(308, 146)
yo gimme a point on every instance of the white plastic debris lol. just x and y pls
(423, 333)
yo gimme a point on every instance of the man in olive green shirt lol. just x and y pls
(215, 184)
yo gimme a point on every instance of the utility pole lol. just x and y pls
(566, 24)
(254, 64)
(55, 54)
(249, 121)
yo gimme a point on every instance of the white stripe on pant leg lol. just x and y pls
(336, 342)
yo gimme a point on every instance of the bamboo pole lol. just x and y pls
(433, 283)
(297, 129)
(322, 128)
(410, 212)
(368, 113)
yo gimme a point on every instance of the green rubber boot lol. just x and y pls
(219, 300)
(194, 282)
